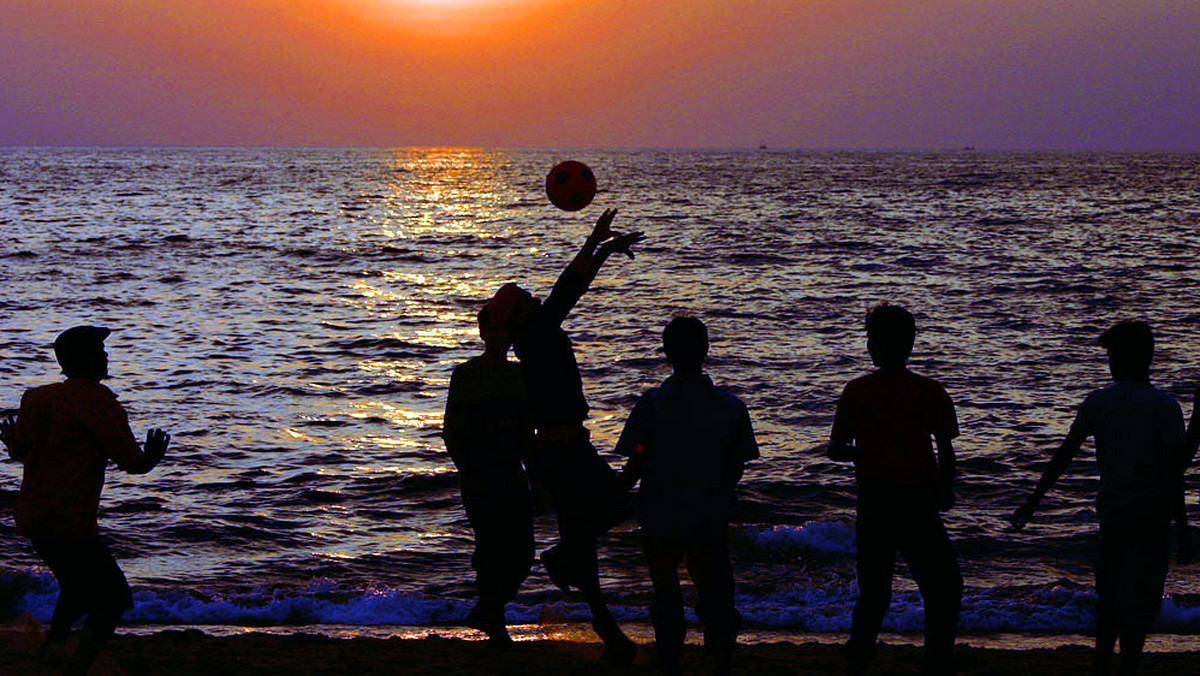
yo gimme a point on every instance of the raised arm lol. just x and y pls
(602, 243)
(1058, 464)
(579, 274)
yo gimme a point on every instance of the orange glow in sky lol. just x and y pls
(709, 73)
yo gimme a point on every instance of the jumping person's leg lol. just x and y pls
(94, 585)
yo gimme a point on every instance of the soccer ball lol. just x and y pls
(570, 185)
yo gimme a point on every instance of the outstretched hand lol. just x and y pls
(611, 241)
(156, 445)
(1023, 514)
(622, 243)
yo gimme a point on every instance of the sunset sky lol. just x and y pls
(1006, 74)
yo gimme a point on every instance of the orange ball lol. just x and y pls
(570, 185)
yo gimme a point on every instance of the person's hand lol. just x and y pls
(621, 243)
(8, 429)
(603, 229)
(1024, 513)
(156, 445)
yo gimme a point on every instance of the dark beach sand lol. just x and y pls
(193, 653)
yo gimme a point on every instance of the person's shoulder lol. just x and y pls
(651, 395)
(728, 398)
(863, 382)
(924, 380)
(42, 391)
(482, 367)
(1163, 398)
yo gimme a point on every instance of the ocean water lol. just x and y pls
(292, 316)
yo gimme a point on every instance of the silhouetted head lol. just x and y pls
(495, 335)
(80, 352)
(891, 331)
(1130, 346)
(685, 340)
(513, 308)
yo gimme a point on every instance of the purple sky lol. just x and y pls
(1006, 74)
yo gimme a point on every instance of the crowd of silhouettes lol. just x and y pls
(517, 436)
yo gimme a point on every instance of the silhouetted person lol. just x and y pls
(587, 496)
(688, 442)
(65, 434)
(885, 422)
(1141, 451)
(489, 432)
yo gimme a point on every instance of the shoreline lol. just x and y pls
(643, 633)
(297, 650)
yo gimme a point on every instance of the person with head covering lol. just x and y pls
(65, 434)
(587, 495)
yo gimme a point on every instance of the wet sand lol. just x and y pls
(194, 653)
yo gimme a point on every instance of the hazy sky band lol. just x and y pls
(1039, 74)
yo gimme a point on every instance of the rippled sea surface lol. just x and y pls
(292, 316)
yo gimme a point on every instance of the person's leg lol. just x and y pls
(666, 610)
(503, 554)
(1141, 580)
(97, 582)
(71, 606)
(712, 572)
(578, 560)
(875, 559)
(1108, 573)
(931, 561)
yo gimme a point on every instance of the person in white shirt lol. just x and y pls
(1142, 453)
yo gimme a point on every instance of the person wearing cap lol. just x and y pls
(488, 432)
(586, 492)
(65, 434)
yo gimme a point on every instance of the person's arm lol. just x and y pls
(153, 452)
(745, 447)
(1192, 437)
(634, 441)
(8, 436)
(452, 422)
(1183, 455)
(1058, 464)
(841, 437)
(579, 274)
(111, 426)
(947, 471)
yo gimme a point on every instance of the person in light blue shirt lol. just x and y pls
(1142, 452)
(688, 441)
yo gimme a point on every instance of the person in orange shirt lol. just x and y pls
(886, 423)
(65, 434)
